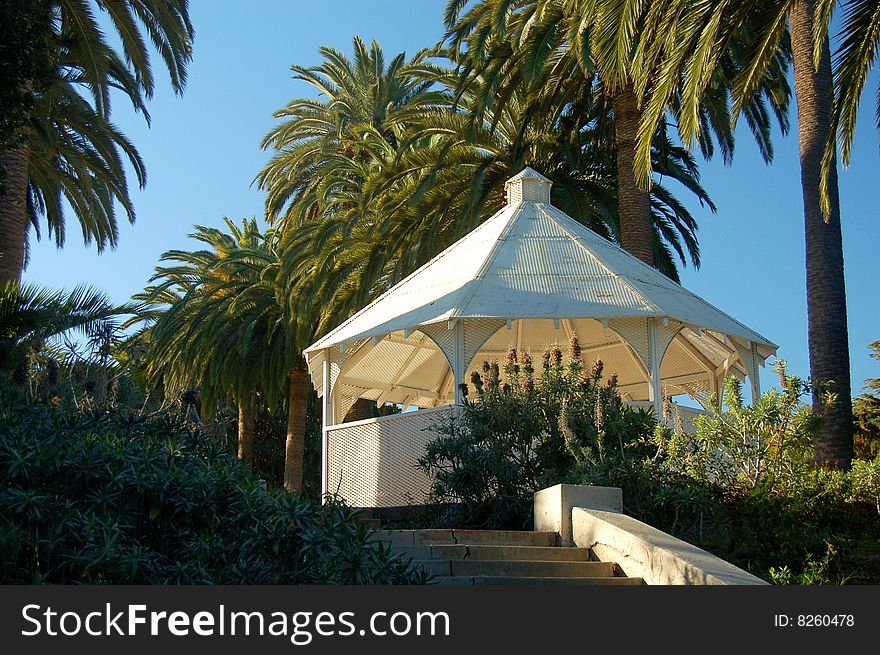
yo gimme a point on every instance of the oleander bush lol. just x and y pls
(111, 497)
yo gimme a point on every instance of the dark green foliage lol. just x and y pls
(866, 412)
(26, 65)
(524, 432)
(744, 488)
(31, 316)
(270, 432)
(112, 497)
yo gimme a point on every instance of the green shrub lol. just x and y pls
(523, 432)
(111, 497)
(742, 447)
(866, 412)
(744, 488)
(865, 479)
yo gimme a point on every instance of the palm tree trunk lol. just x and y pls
(246, 430)
(296, 426)
(13, 212)
(633, 202)
(826, 289)
(362, 409)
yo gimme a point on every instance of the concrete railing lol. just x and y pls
(591, 517)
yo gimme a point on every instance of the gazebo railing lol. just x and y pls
(373, 463)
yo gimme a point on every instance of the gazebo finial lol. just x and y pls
(528, 185)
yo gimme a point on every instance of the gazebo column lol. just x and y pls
(750, 359)
(655, 392)
(458, 359)
(327, 419)
(748, 354)
(756, 378)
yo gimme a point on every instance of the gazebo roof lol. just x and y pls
(530, 260)
(546, 278)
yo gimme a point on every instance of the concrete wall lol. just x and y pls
(591, 517)
(553, 506)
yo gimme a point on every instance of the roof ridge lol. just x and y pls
(584, 246)
(317, 345)
(516, 213)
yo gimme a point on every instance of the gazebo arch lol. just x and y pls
(528, 277)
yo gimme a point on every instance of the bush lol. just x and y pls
(522, 433)
(743, 487)
(112, 498)
(270, 434)
(740, 447)
(866, 412)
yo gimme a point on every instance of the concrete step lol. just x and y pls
(469, 537)
(472, 552)
(527, 580)
(518, 568)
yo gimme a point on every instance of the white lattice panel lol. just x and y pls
(372, 463)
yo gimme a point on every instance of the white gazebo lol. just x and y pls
(528, 278)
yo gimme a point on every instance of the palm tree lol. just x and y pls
(216, 323)
(76, 155)
(691, 49)
(198, 336)
(324, 149)
(30, 316)
(25, 64)
(449, 178)
(266, 319)
(854, 57)
(362, 197)
(85, 167)
(542, 43)
(365, 98)
(361, 206)
(568, 132)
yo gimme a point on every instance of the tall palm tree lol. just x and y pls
(25, 64)
(691, 46)
(324, 148)
(266, 319)
(77, 155)
(85, 62)
(197, 336)
(366, 92)
(449, 178)
(541, 42)
(361, 206)
(362, 197)
(215, 321)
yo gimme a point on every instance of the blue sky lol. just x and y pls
(202, 153)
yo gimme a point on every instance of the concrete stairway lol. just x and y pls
(477, 557)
